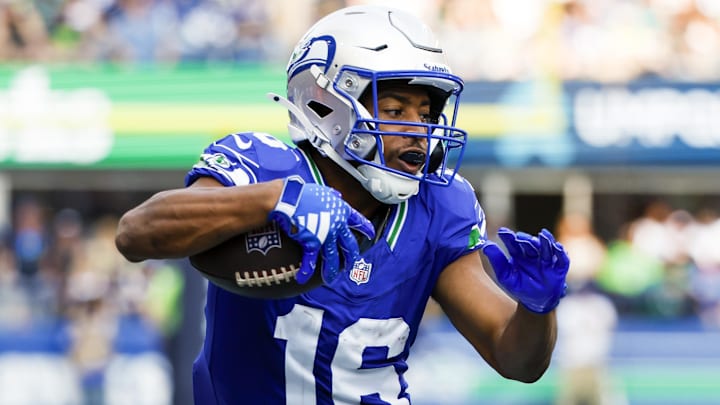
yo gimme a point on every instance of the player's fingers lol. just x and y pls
(358, 222)
(529, 244)
(331, 260)
(307, 268)
(548, 235)
(349, 247)
(546, 249)
(564, 290)
(524, 236)
(557, 248)
(528, 248)
(563, 261)
(509, 239)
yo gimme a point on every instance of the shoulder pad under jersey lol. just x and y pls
(245, 158)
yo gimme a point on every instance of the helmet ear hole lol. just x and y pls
(438, 99)
(436, 157)
(320, 109)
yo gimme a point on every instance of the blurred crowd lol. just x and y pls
(65, 289)
(609, 40)
(662, 264)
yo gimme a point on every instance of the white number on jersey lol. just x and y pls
(301, 329)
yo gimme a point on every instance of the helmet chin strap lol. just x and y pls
(386, 187)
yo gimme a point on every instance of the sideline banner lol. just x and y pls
(115, 118)
(580, 124)
(111, 117)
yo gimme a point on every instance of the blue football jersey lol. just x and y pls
(347, 343)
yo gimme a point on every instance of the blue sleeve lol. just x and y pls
(243, 158)
(462, 222)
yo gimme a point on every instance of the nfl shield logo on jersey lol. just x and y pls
(360, 272)
(263, 239)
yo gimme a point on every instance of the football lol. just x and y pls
(261, 263)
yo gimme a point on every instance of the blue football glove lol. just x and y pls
(534, 274)
(318, 218)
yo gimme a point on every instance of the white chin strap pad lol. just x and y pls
(386, 187)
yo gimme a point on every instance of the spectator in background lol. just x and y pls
(586, 320)
(586, 323)
(23, 34)
(14, 305)
(29, 241)
(629, 274)
(648, 233)
(662, 234)
(92, 310)
(63, 245)
(587, 252)
(705, 254)
(93, 326)
(672, 298)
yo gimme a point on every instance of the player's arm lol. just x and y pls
(182, 222)
(514, 341)
(515, 336)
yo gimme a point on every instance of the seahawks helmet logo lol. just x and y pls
(318, 51)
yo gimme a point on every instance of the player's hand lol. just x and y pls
(318, 219)
(534, 274)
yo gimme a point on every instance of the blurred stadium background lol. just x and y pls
(597, 119)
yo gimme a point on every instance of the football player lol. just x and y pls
(371, 186)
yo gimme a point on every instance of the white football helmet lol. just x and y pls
(344, 55)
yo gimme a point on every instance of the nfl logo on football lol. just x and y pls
(360, 272)
(263, 239)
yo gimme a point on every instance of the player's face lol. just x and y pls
(401, 102)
